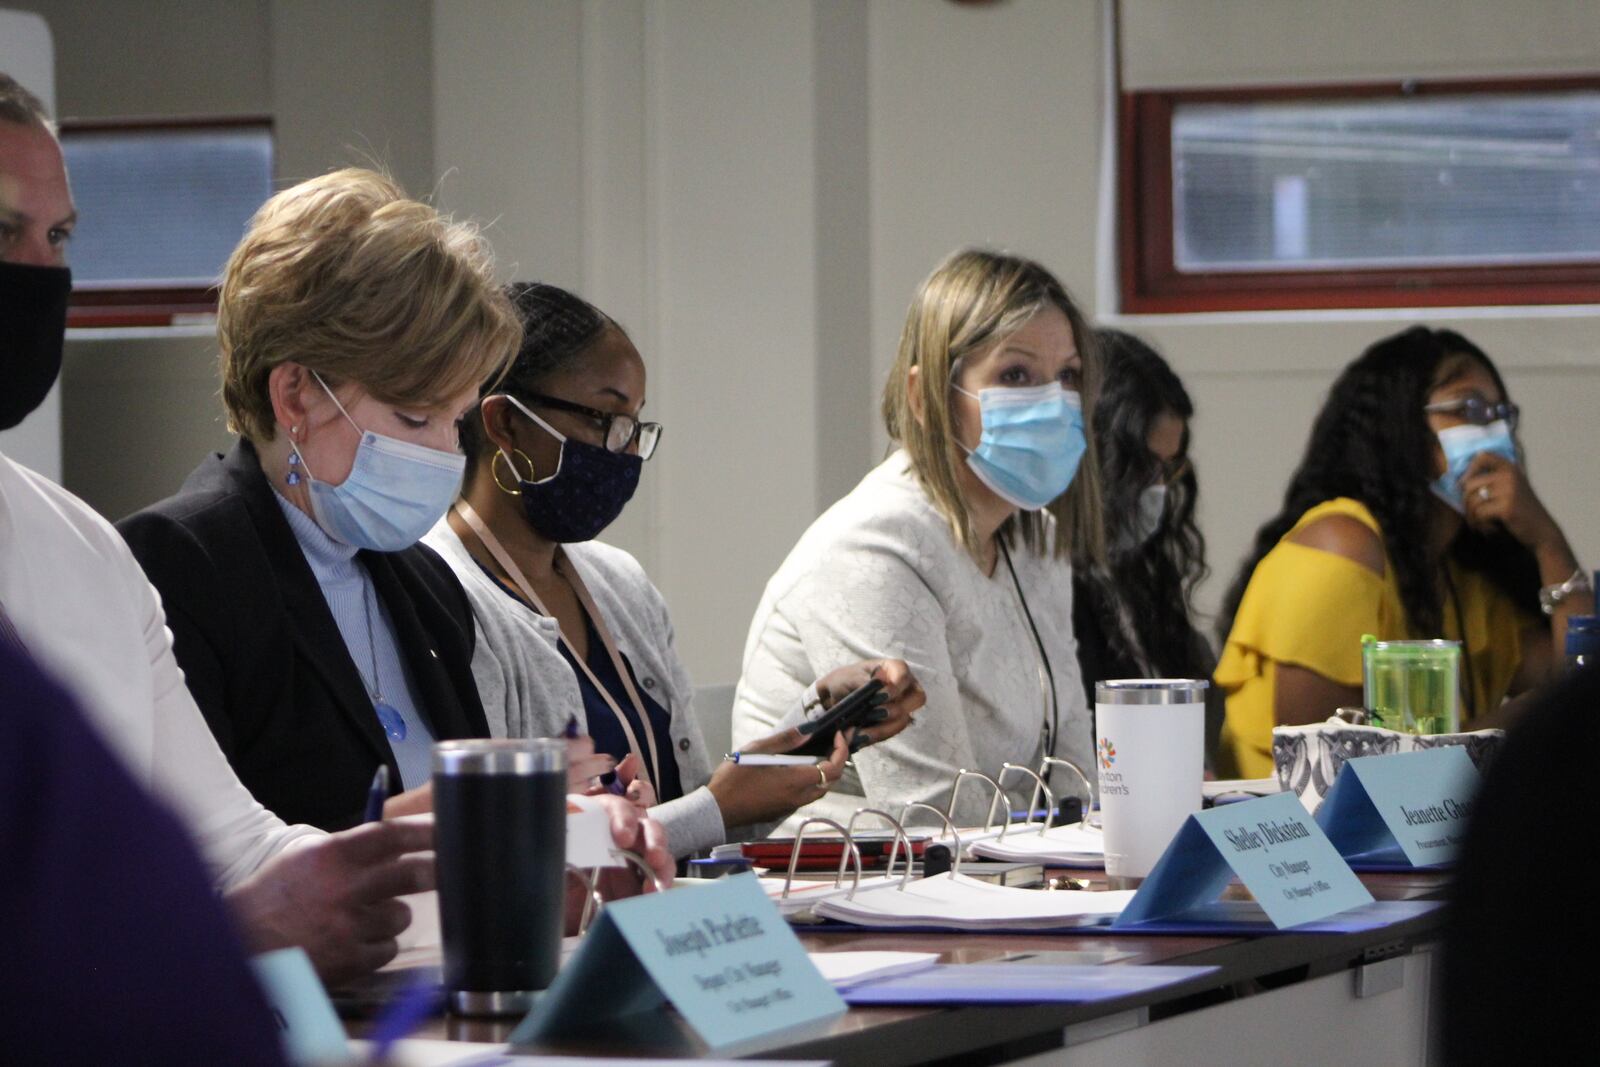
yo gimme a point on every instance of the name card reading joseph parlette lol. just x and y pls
(307, 1024)
(720, 953)
(1271, 844)
(1415, 804)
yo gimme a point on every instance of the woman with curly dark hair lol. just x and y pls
(1133, 614)
(1410, 516)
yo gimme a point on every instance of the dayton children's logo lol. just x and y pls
(1108, 753)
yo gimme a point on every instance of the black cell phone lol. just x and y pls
(847, 713)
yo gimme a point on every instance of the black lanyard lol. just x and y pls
(1044, 659)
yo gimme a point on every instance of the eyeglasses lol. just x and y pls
(619, 431)
(1476, 410)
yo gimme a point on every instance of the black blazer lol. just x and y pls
(264, 657)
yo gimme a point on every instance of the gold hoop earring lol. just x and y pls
(494, 469)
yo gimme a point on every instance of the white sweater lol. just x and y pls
(88, 615)
(881, 575)
(529, 690)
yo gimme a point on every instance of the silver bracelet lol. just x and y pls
(1551, 596)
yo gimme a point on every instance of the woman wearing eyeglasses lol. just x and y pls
(571, 633)
(1410, 516)
(1132, 614)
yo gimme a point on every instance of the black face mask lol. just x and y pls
(33, 325)
(584, 496)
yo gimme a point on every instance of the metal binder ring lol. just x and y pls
(955, 788)
(592, 901)
(1049, 798)
(1083, 779)
(955, 855)
(894, 850)
(799, 838)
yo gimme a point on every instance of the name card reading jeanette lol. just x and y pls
(1409, 807)
(1271, 844)
(720, 953)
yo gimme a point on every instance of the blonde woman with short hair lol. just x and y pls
(954, 553)
(318, 638)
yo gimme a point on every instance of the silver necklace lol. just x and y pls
(393, 723)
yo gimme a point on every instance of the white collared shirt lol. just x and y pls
(85, 611)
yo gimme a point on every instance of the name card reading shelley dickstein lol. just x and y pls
(720, 953)
(1406, 808)
(1271, 844)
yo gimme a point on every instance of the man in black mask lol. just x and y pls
(74, 601)
(36, 220)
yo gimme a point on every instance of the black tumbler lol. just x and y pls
(500, 838)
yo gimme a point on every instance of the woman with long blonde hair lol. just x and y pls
(954, 553)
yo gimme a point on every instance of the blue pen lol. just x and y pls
(377, 794)
(415, 1002)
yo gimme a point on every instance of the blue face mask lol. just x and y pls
(1032, 442)
(587, 492)
(396, 491)
(1460, 444)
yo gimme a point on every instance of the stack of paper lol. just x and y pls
(1059, 846)
(1018, 983)
(846, 969)
(1252, 787)
(956, 902)
(804, 895)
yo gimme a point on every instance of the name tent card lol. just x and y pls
(307, 1024)
(719, 953)
(1271, 844)
(1406, 808)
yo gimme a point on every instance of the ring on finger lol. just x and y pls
(822, 777)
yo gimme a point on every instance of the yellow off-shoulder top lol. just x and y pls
(1309, 607)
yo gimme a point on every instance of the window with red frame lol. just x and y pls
(161, 204)
(1393, 195)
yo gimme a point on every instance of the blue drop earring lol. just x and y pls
(293, 477)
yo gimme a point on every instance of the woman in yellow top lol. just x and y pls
(1410, 516)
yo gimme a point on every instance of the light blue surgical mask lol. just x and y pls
(1032, 442)
(1460, 444)
(396, 491)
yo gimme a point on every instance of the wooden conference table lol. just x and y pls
(1308, 998)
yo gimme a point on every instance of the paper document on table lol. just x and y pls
(1059, 846)
(1253, 787)
(970, 835)
(428, 1053)
(1014, 983)
(845, 969)
(956, 902)
(804, 895)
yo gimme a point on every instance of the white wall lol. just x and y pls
(346, 83)
(755, 189)
(630, 150)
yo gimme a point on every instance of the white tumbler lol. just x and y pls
(1149, 749)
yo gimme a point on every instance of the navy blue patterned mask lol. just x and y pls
(587, 492)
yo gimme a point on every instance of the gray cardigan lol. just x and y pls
(529, 690)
